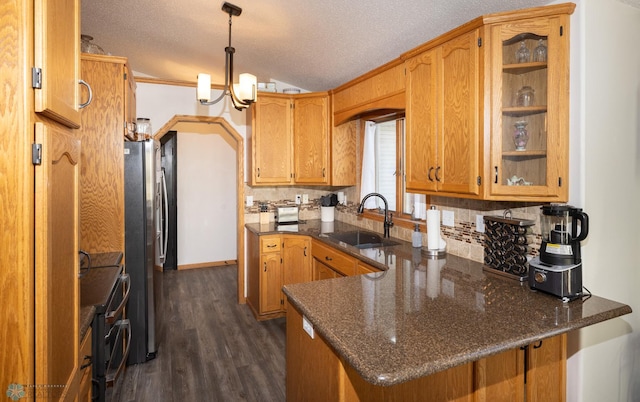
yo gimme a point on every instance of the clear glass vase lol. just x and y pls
(520, 135)
(522, 54)
(540, 52)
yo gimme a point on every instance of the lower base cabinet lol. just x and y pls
(86, 383)
(534, 373)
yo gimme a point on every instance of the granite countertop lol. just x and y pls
(425, 315)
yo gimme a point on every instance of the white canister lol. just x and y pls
(327, 214)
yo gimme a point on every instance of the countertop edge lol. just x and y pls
(435, 366)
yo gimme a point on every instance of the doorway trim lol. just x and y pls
(239, 148)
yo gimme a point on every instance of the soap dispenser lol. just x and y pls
(416, 238)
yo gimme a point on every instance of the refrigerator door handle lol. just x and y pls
(164, 220)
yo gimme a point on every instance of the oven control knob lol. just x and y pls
(540, 277)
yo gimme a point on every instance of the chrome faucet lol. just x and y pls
(388, 218)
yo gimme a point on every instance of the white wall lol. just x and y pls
(207, 224)
(606, 163)
(207, 207)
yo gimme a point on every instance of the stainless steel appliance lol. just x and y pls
(558, 268)
(287, 215)
(105, 287)
(141, 189)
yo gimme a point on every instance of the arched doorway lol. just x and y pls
(219, 126)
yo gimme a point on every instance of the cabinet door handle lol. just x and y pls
(88, 359)
(258, 172)
(438, 174)
(265, 266)
(538, 345)
(326, 257)
(495, 179)
(305, 251)
(112, 314)
(83, 105)
(323, 172)
(429, 174)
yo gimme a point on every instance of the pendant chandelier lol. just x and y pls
(242, 94)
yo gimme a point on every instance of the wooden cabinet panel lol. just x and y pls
(323, 271)
(296, 257)
(57, 300)
(102, 135)
(311, 139)
(338, 261)
(443, 136)
(272, 146)
(343, 154)
(458, 113)
(363, 268)
(270, 283)
(57, 54)
(546, 370)
(421, 121)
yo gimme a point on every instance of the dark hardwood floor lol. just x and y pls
(210, 347)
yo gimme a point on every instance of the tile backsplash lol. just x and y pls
(462, 239)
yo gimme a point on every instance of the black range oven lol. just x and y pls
(105, 286)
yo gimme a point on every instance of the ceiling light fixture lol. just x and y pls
(242, 94)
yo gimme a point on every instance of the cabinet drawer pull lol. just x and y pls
(438, 174)
(83, 105)
(272, 245)
(326, 257)
(429, 174)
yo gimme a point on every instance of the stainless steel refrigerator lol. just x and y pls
(140, 198)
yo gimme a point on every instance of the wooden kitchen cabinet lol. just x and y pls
(327, 257)
(105, 123)
(443, 109)
(536, 372)
(290, 139)
(264, 276)
(85, 381)
(537, 170)
(296, 256)
(57, 292)
(496, 378)
(57, 60)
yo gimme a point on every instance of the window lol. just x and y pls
(383, 170)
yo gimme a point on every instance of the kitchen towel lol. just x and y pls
(434, 240)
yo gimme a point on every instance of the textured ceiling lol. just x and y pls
(314, 45)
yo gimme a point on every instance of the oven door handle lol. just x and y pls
(111, 316)
(112, 376)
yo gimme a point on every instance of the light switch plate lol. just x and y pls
(307, 326)
(480, 223)
(305, 198)
(447, 218)
(249, 200)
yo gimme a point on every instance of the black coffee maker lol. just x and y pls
(558, 269)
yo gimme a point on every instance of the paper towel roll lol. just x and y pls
(433, 229)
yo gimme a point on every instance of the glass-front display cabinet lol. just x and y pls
(530, 109)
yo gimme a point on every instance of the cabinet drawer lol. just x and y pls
(269, 244)
(335, 259)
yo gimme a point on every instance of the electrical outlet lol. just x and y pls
(305, 198)
(480, 223)
(447, 218)
(298, 199)
(307, 326)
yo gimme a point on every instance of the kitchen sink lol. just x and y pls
(362, 239)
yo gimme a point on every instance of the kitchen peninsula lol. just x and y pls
(427, 329)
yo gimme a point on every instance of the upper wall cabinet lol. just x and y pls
(56, 67)
(290, 140)
(530, 108)
(442, 135)
(105, 123)
(488, 108)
